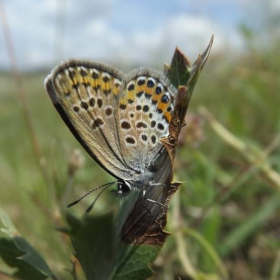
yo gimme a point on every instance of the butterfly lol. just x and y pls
(120, 119)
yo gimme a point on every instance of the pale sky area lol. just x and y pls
(121, 31)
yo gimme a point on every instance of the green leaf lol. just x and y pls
(101, 252)
(179, 70)
(18, 253)
(93, 242)
(135, 263)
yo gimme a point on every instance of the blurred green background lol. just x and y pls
(228, 206)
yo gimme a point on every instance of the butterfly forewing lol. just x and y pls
(86, 96)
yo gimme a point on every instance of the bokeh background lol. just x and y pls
(226, 215)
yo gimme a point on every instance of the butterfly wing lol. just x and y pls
(145, 109)
(86, 96)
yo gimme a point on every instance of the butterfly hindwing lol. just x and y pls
(145, 110)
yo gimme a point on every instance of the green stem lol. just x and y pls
(209, 249)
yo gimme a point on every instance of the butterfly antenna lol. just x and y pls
(92, 204)
(105, 186)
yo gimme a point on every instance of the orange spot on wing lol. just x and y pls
(86, 80)
(123, 101)
(145, 89)
(168, 116)
(104, 86)
(130, 95)
(162, 106)
(157, 97)
(75, 80)
(95, 82)
(116, 90)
